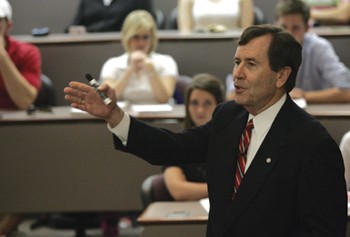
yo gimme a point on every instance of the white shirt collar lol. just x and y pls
(263, 121)
(262, 124)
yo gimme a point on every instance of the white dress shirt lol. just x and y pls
(262, 124)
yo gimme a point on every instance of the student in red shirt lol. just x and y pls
(20, 66)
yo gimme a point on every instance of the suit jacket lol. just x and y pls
(294, 187)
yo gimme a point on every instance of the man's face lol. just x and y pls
(294, 25)
(256, 86)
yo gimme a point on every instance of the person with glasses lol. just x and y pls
(141, 75)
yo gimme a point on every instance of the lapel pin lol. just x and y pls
(268, 160)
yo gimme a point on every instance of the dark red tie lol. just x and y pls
(242, 157)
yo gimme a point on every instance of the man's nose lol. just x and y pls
(237, 72)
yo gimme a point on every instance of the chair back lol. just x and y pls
(180, 88)
(172, 19)
(160, 19)
(153, 189)
(46, 96)
(259, 16)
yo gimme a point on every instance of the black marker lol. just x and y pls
(95, 85)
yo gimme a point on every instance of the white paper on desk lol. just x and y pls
(76, 111)
(205, 203)
(121, 104)
(151, 108)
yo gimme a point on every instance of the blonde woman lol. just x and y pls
(214, 15)
(141, 75)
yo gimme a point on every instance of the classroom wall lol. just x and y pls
(55, 14)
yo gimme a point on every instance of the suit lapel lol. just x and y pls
(224, 163)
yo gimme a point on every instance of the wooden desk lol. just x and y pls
(174, 213)
(157, 223)
(66, 162)
(171, 219)
(331, 31)
(68, 57)
(335, 118)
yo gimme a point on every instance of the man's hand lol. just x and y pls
(86, 98)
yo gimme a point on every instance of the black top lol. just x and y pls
(97, 17)
(194, 172)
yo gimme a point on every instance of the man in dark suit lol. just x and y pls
(294, 175)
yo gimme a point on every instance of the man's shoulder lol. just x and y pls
(312, 40)
(227, 109)
(20, 45)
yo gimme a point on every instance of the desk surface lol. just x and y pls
(189, 212)
(116, 36)
(159, 213)
(66, 113)
(62, 113)
(329, 110)
(66, 162)
(164, 35)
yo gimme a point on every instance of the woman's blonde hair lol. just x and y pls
(136, 21)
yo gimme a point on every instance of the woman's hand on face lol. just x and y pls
(137, 60)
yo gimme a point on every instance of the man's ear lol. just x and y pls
(282, 76)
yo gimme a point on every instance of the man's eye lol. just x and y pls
(251, 64)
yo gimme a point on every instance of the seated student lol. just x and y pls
(107, 15)
(214, 15)
(321, 78)
(20, 69)
(141, 75)
(20, 66)
(345, 150)
(331, 12)
(203, 94)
